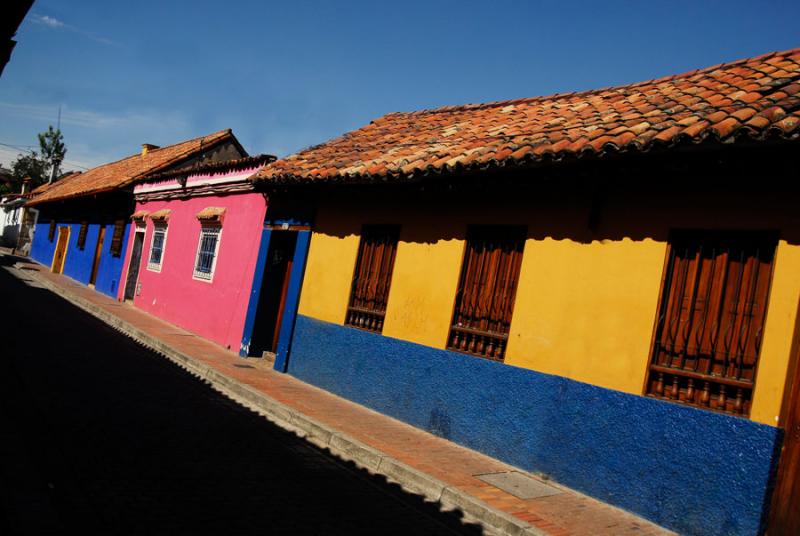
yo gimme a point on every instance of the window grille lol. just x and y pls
(711, 319)
(51, 232)
(487, 288)
(157, 247)
(82, 235)
(207, 252)
(372, 277)
(116, 238)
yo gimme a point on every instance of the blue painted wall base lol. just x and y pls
(693, 471)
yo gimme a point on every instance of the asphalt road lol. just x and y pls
(101, 436)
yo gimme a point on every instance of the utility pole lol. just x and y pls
(52, 163)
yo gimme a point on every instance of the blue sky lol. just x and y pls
(286, 75)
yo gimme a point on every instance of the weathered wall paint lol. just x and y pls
(425, 278)
(587, 300)
(109, 271)
(215, 310)
(331, 259)
(638, 453)
(79, 262)
(42, 249)
(579, 304)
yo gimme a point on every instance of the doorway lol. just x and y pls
(98, 250)
(133, 267)
(272, 298)
(785, 512)
(60, 255)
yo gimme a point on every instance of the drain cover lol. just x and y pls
(243, 366)
(519, 485)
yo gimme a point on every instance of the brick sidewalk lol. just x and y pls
(430, 458)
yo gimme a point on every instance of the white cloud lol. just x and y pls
(93, 137)
(131, 120)
(52, 22)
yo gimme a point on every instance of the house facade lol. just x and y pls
(193, 246)
(600, 287)
(84, 219)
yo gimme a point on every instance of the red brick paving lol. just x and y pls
(566, 514)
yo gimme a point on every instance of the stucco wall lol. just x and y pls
(215, 310)
(587, 299)
(641, 454)
(42, 249)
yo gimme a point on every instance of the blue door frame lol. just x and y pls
(292, 294)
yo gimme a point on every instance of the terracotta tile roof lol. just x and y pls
(128, 170)
(754, 98)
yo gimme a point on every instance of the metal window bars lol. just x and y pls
(372, 277)
(157, 247)
(711, 320)
(487, 289)
(207, 252)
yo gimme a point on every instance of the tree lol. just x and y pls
(43, 166)
(53, 150)
(29, 165)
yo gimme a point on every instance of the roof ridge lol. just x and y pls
(455, 108)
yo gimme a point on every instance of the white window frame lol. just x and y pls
(153, 266)
(206, 228)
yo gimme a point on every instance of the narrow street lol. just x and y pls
(100, 435)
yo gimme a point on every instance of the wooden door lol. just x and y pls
(60, 256)
(98, 250)
(785, 516)
(133, 267)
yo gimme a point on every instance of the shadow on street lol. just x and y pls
(101, 435)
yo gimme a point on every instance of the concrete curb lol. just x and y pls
(319, 434)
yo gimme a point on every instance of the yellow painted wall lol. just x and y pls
(773, 363)
(329, 270)
(586, 311)
(424, 284)
(586, 303)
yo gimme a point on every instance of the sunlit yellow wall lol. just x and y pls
(423, 288)
(587, 299)
(329, 269)
(586, 311)
(778, 331)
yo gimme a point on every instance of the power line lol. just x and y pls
(22, 148)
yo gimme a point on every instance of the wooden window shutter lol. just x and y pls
(116, 238)
(51, 232)
(711, 319)
(487, 289)
(82, 235)
(372, 277)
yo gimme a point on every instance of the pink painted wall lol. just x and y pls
(214, 310)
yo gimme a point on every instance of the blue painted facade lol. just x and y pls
(42, 249)
(638, 453)
(78, 263)
(255, 292)
(292, 293)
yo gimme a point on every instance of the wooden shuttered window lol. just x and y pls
(486, 292)
(711, 319)
(116, 238)
(372, 277)
(51, 231)
(82, 235)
